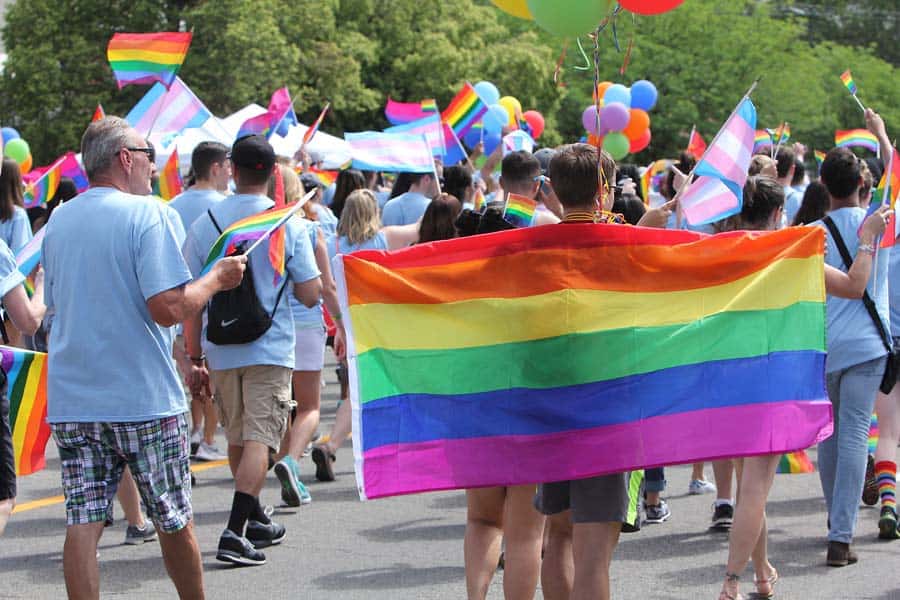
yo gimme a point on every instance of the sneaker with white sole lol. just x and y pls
(238, 550)
(135, 536)
(263, 535)
(208, 452)
(293, 492)
(723, 517)
(701, 486)
(658, 513)
(196, 438)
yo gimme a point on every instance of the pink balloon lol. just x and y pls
(614, 116)
(589, 119)
(536, 121)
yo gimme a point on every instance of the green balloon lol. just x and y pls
(616, 144)
(568, 18)
(17, 150)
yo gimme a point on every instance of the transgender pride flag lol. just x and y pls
(391, 152)
(718, 191)
(168, 111)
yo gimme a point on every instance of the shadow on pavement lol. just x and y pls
(414, 531)
(399, 575)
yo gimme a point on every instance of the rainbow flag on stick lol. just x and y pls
(464, 110)
(761, 139)
(39, 192)
(401, 113)
(311, 131)
(26, 387)
(585, 367)
(147, 57)
(519, 210)
(795, 462)
(887, 191)
(820, 157)
(696, 145)
(170, 184)
(847, 80)
(859, 138)
(99, 113)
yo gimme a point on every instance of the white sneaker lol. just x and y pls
(701, 486)
(196, 438)
(207, 452)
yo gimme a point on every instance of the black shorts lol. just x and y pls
(603, 499)
(7, 455)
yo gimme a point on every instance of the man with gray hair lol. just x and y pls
(115, 280)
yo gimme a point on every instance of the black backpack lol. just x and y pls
(236, 316)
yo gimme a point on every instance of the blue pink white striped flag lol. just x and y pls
(392, 152)
(168, 111)
(517, 140)
(718, 191)
(443, 142)
(280, 109)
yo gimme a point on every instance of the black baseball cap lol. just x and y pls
(253, 152)
(310, 181)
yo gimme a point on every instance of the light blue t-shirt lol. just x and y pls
(326, 219)
(852, 337)
(192, 203)
(307, 318)
(178, 231)
(105, 254)
(10, 276)
(275, 346)
(673, 220)
(16, 231)
(894, 288)
(343, 246)
(405, 209)
(382, 199)
(792, 202)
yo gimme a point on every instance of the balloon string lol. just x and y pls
(587, 61)
(627, 60)
(557, 73)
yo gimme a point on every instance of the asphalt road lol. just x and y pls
(411, 547)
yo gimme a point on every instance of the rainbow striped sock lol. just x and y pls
(886, 476)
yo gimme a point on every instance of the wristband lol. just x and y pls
(337, 317)
(867, 248)
(197, 359)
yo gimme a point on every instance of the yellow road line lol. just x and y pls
(53, 500)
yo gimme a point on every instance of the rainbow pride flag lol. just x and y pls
(820, 158)
(170, 184)
(860, 138)
(519, 210)
(529, 355)
(401, 113)
(795, 463)
(326, 177)
(761, 139)
(847, 80)
(464, 110)
(39, 192)
(311, 131)
(99, 113)
(478, 200)
(888, 190)
(26, 388)
(650, 177)
(147, 57)
(247, 231)
(779, 135)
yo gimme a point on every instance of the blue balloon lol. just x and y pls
(617, 93)
(488, 92)
(643, 95)
(491, 141)
(8, 133)
(473, 137)
(495, 119)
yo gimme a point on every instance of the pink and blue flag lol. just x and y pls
(518, 140)
(401, 113)
(71, 168)
(392, 152)
(30, 254)
(718, 191)
(440, 137)
(168, 111)
(280, 110)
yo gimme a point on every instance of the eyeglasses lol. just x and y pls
(150, 152)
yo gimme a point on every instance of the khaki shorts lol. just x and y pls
(254, 403)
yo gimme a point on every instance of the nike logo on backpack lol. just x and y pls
(229, 323)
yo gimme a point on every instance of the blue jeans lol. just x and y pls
(655, 480)
(842, 457)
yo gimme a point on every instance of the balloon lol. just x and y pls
(495, 118)
(595, 140)
(617, 93)
(7, 134)
(642, 142)
(491, 141)
(513, 107)
(601, 89)
(616, 144)
(568, 18)
(643, 95)
(536, 121)
(17, 149)
(26, 164)
(488, 92)
(649, 7)
(614, 116)
(517, 8)
(589, 119)
(638, 123)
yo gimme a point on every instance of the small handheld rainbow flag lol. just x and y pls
(26, 374)
(779, 135)
(147, 57)
(314, 128)
(519, 210)
(170, 184)
(847, 80)
(326, 177)
(478, 200)
(860, 138)
(98, 113)
(40, 192)
(795, 462)
(464, 110)
(820, 157)
(761, 139)
(887, 191)
(652, 172)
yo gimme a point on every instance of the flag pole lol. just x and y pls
(297, 206)
(437, 180)
(858, 103)
(686, 184)
(691, 136)
(784, 126)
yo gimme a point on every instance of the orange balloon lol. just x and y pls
(637, 124)
(25, 166)
(601, 89)
(595, 140)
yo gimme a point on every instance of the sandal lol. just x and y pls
(770, 582)
(324, 463)
(723, 595)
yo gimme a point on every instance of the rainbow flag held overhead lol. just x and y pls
(26, 387)
(523, 356)
(311, 131)
(147, 57)
(859, 138)
(519, 210)
(326, 177)
(652, 174)
(39, 192)
(888, 190)
(779, 135)
(820, 157)
(847, 80)
(169, 110)
(464, 110)
(795, 463)
(478, 200)
(170, 184)
(761, 139)
(99, 113)
(401, 113)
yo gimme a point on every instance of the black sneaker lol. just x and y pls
(658, 513)
(263, 535)
(870, 487)
(238, 550)
(887, 524)
(723, 517)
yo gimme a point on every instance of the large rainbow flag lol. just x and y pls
(568, 351)
(26, 388)
(860, 138)
(147, 57)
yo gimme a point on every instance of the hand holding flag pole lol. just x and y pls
(297, 206)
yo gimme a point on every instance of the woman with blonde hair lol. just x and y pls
(15, 228)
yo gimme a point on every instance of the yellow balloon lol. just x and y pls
(513, 107)
(517, 8)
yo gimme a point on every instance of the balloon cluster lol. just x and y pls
(502, 112)
(623, 125)
(577, 17)
(16, 148)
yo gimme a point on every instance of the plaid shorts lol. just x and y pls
(93, 457)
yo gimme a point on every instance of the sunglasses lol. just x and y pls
(150, 152)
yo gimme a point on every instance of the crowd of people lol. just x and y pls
(189, 371)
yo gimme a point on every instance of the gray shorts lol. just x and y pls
(604, 499)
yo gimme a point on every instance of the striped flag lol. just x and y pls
(401, 113)
(516, 141)
(26, 376)
(819, 156)
(71, 168)
(392, 152)
(170, 178)
(718, 191)
(147, 57)
(464, 110)
(430, 127)
(39, 192)
(519, 210)
(856, 138)
(99, 113)
(29, 256)
(761, 139)
(168, 111)
(887, 191)
(847, 80)
(267, 123)
(696, 146)
(311, 131)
